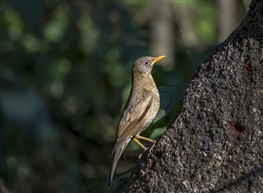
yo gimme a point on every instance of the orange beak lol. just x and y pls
(158, 59)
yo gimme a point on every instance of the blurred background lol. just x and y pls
(65, 77)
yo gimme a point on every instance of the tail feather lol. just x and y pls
(117, 151)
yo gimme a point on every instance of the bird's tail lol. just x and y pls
(119, 147)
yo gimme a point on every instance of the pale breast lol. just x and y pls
(151, 114)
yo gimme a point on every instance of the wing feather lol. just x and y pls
(135, 112)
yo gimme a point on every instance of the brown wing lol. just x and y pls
(134, 112)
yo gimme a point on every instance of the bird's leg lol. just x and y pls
(145, 138)
(152, 147)
(139, 143)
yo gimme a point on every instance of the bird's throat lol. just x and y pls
(143, 79)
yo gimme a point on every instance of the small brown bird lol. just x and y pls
(140, 109)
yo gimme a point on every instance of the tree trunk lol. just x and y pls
(216, 144)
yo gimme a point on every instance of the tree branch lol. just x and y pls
(216, 145)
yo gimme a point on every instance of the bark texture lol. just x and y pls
(216, 144)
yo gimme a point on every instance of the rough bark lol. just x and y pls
(216, 144)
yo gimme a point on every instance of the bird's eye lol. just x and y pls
(146, 62)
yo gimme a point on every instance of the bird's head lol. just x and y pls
(145, 64)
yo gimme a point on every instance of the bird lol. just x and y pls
(140, 110)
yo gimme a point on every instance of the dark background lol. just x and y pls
(65, 76)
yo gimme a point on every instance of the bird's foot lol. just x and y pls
(151, 148)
